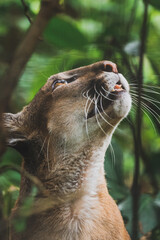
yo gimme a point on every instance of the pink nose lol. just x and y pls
(110, 67)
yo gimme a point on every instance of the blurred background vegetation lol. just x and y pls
(85, 32)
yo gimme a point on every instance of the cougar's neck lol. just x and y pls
(67, 174)
(76, 172)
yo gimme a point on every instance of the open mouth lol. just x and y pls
(118, 87)
(104, 100)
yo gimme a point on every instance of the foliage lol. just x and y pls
(86, 32)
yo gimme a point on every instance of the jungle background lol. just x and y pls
(76, 33)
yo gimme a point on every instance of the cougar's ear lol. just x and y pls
(14, 129)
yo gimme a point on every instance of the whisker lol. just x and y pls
(103, 108)
(101, 104)
(64, 150)
(86, 116)
(42, 146)
(153, 113)
(96, 90)
(99, 94)
(117, 129)
(146, 90)
(48, 154)
(144, 111)
(144, 85)
(107, 91)
(97, 117)
(149, 99)
(128, 119)
(106, 97)
(150, 110)
(112, 154)
(86, 110)
(86, 96)
(104, 118)
(152, 102)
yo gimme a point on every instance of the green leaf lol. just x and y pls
(20, 224)
(8, 178)
(147, 213)
(9, 198)
(4, 182)
(63, 33)
(11, 157)
(126, 209)
(155, 3)
(157, 200)
(114, 171)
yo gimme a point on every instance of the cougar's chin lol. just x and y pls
(121, 105)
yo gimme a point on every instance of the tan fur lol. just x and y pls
(65, 152)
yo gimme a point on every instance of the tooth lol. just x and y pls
(118, 86)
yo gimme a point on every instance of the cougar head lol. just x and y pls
(74, 108)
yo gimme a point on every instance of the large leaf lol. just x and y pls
(114, 171)
(146, 211)
(63, 33)
(148, 219)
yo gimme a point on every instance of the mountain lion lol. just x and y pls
(63, 135)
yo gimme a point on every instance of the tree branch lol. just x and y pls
(8, 83)
(138, 141)
(26, 48)
(132, 17)
(26, 9)
(48, 9)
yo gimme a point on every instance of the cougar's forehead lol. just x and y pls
(107, 66)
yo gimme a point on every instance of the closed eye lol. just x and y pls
(58, 83)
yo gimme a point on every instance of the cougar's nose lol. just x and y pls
(110, 67)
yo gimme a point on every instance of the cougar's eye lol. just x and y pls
(58, 83)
